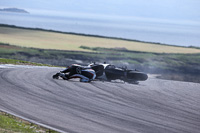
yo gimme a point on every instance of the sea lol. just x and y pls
(171, 32)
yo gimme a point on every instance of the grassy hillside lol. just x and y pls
(62, 41)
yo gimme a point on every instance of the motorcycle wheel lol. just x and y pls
(137, 76)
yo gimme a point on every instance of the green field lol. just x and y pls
(62, 41)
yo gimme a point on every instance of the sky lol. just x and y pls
(156, 9)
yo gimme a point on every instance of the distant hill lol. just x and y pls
(14, 10)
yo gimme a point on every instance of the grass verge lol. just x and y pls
(21, 62)
(12, 124)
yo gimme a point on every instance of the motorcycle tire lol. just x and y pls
(137, 76)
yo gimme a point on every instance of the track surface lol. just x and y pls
(153, 106)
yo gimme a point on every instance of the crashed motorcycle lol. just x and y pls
(110, 72)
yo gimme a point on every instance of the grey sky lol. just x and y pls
(162, 9)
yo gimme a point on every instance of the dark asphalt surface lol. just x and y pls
(153, 106)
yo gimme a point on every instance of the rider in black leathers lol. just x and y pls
(86, 74)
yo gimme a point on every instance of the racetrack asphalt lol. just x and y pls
(153, 106)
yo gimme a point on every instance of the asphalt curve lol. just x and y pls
(153, 106)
